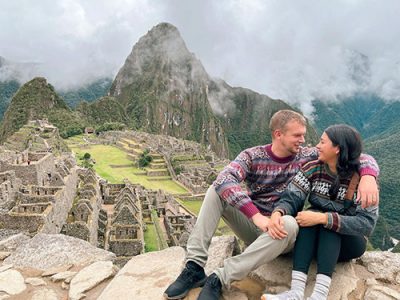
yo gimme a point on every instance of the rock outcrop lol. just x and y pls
(146, 276)
(46, 251)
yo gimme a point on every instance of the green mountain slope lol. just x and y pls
(89, 92)
(38, 100)
(7, 91)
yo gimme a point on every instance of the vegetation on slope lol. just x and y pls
(7, 91)
(88, 93)
(37, 100)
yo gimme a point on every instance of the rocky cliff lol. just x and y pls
(73, 269)
(163, 88)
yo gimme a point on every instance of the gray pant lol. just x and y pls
(261, 247)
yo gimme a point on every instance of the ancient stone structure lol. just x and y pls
(126, 228)
(37, 188)
(83, 219)
(185, 161)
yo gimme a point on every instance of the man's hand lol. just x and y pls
(276, 229)
(261, 221)
(368, 192)
(308, 218)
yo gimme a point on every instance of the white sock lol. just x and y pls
(321, 288)
(299, 280)
(296, 291)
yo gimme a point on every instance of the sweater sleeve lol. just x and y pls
(227, 184)
(293, 198)
(363, 222)
(368, 166)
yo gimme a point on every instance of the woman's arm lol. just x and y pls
(363, 222)
(293, 198)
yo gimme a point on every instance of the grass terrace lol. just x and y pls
(112, 164)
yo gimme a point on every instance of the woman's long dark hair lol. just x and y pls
(349, 141)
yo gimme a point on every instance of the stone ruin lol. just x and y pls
(45, 192)
(130, 208)
(185, 161)
(36, 191)
(84, 219)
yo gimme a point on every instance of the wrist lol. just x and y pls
(324, 219)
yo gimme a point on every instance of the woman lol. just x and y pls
(332, 229)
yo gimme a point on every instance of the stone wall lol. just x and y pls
(85, 212)
(63, 204)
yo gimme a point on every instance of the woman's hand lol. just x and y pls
(310, 218)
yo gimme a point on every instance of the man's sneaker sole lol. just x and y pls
(198, 284)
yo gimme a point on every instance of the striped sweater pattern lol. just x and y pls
(266, 176)
(314, 181)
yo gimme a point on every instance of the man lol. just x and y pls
(266, 170)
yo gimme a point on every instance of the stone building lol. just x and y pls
(42, 197)
(83, 221)
(126, 229)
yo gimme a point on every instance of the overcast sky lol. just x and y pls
(292, 50)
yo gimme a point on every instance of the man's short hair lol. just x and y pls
(282, 117)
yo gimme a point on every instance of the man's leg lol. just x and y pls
(212, 209)
(261, 251)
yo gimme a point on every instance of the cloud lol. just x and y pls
(291, 50)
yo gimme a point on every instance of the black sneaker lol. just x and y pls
(212, 288)
(192, 276)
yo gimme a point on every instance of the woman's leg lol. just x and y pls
(305, 248)
(333, 247)
(304, 251)
(353, 246)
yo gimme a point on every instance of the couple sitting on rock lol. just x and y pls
(280, 176)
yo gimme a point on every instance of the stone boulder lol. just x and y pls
(384, 265)
(276, 277)
(148, 275)
(12, 242)
(46, 251)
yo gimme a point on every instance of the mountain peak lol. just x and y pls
(161, 50)
(36, 99)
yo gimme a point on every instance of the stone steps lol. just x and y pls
(157, 173)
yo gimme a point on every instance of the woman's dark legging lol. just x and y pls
(327, 246)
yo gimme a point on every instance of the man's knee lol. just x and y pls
(291, 226)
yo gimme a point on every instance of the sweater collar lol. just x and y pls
(278, 159)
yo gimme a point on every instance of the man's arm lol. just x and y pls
(227, 184)
(368, 191)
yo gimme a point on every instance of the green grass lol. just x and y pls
(151, 238)
(195, 205)
(105, 156)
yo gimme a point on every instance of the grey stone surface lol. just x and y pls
(35, 281)
(12, 242)
(277, 276)
(221, 248)
(89, 277)
(384, 265)
(45, 294)
(64, 250)
(63, 276)
(5, 268)
(381, 293)
(56, 270)
(146, 276)
(12, 282)
(4, 254)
